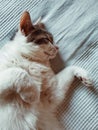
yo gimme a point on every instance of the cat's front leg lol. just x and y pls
(26, 86)
(65, 79)
(18, 82)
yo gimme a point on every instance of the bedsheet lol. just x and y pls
(74, 25)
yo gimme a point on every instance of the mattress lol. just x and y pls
(74, 25)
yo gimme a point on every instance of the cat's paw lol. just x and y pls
(29, 94)
(82, 75)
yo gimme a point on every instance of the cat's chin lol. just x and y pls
(50, 56)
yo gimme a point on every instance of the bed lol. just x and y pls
(74, 25)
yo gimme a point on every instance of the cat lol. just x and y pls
(30, 92)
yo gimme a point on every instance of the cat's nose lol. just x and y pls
(57, 48)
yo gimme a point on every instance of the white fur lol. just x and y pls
(17, 69)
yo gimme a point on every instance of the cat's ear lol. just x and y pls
(26, 23)
(40, 24)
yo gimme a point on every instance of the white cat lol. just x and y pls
(29, 90)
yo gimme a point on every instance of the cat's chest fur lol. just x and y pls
(39, 72)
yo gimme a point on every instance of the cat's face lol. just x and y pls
(38, 35)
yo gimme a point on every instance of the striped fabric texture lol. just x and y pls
(74, 24)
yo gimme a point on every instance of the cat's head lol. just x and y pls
(38, 36)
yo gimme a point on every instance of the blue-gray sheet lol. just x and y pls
(74, 24)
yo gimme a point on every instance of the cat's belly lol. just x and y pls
(48, 121)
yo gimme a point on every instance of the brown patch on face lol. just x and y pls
(40, 36)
